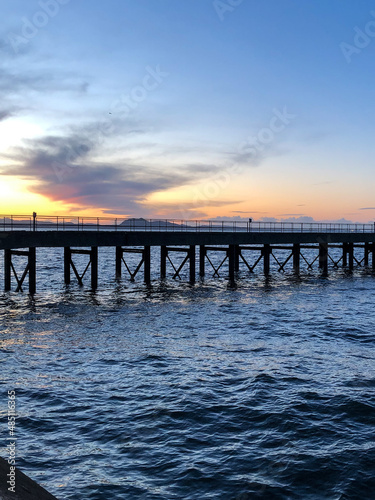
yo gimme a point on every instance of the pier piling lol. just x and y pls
(202, 260)
(94, 267)
(192, 263)
(296, 257)
(266, 252)
(7, 269)
(147, 264)
(323, 257)
(350, 250)
(30, 269)
(69, 264)
(232, 261)
(163, 261)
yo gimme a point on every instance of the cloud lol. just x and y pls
(65, 169)
(189, 206)
(323, 183)
(253, 157)
(302, 219)
(367, 208)
(19, 90)
(292, 215)
(296, 218)
(5, 114)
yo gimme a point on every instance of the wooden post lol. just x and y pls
(323, 257)
(7, 269)
(67, 261)
(367, 251)
(344, 254)
(296, 257)
(163, 261)
(118, 262)
(202, 259)
(94, 267)
(373, 256)
(351, 255)
(147, 264)
(32, 270)
(266, 258)
(192, 263)
(232, 263)
(237, 252)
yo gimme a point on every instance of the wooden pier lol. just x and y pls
(247, 246)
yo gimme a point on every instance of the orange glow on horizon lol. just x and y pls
(192, 202)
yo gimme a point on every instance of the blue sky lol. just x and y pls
(172, 107)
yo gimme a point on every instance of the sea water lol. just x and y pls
(261, 389)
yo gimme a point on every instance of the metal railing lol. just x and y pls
(69, 223)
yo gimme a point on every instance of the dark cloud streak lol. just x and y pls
(64, 169)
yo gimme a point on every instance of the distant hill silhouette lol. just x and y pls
(140, 222)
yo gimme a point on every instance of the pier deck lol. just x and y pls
(233, 240)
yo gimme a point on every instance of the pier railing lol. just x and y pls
(70, 223)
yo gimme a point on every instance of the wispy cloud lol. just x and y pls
(13, 82)
(292, 215)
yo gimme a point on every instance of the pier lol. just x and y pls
(241, 244)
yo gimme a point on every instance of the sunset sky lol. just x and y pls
(188, 108)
